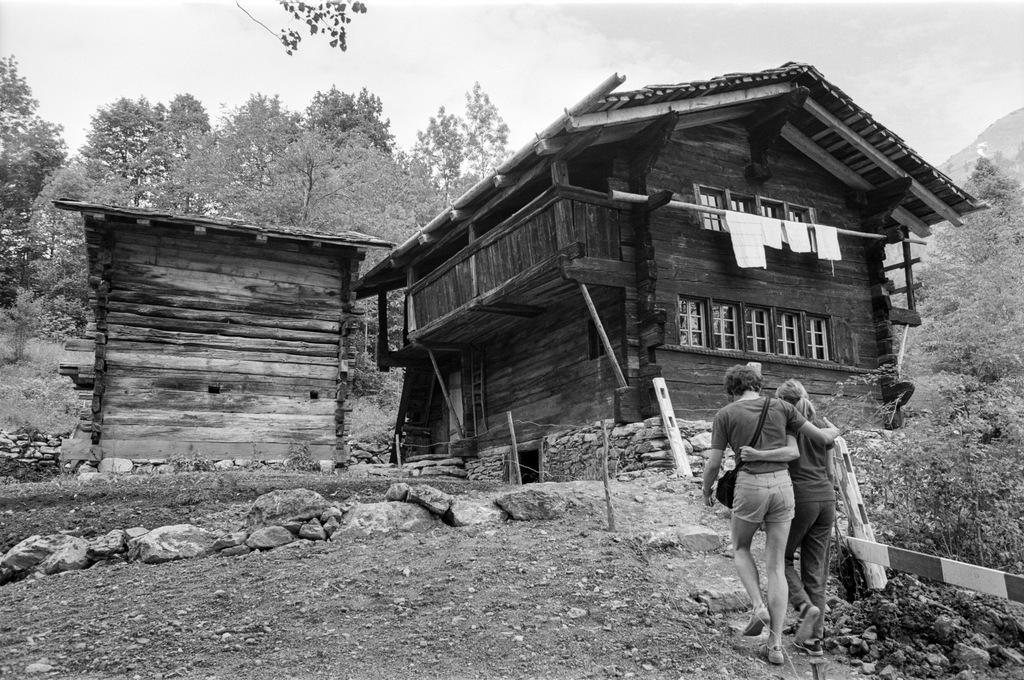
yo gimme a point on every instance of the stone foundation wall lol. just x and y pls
(36, 449)
(576, 454)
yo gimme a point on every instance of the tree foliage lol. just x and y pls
(972, 300)
(325, 18)
(457, 151)
(338, 114)
(30, 149)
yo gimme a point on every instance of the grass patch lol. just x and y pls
(32, 394)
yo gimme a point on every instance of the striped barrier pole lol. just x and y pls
(857, 514)
(982, 579)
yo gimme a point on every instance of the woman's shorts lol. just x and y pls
(764, 498)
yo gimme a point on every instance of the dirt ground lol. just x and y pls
(556, 599)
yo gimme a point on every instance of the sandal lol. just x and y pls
(759, 618)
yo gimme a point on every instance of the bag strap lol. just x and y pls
(760, 426)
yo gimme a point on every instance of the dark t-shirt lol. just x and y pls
(809, 472)
(735, 424)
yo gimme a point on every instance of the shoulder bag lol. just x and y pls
(726, 488)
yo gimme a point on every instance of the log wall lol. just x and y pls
(219, 346)
(543, 372)
(699, 262)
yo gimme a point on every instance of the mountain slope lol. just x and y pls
(1002, 141)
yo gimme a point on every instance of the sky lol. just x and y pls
(935, 73)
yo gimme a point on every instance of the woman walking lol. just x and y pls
(811, 529)
(764, 492)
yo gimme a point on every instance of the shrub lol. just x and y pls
(20, 321)
(954, 486)
(33, 395)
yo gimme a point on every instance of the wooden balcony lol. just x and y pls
(565, 235)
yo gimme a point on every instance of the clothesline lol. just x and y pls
(628, 197)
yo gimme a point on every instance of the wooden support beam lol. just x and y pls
(383, 348)
(646, 146)
(901, 265)
(764, 127)
(881, 160)
(444, 390)
(840, 171)
(659, 199)
(509, 309)
(904, 317)
(608, 349)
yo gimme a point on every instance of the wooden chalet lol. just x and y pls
(212, 338)
(599, 257)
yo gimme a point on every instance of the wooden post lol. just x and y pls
(908, 270)
(604, 477)
(604, 336)
(874, 574)
(668, 421)
(410, 309)
(398, 450)
(516, 475)
(474, 282)
(444, 391)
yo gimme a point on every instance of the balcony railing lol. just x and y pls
(556, 220)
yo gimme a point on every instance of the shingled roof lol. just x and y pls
(342, 238)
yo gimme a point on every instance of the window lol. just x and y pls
(758, 325)
(713, 198)
(797, 214)
(772, 209)
(789, 334)
(741, 203)
(692, 313)
(724, 321)
(817, 338)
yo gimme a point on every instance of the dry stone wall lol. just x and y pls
(577, 453)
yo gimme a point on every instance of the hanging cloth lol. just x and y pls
(771, 229)
(828, 242)
(797, 237)
(747, 235)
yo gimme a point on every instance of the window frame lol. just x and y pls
(709, 221)
(737, 322)
(798, 335)
(702, 305)
(750, 341)
(826, 346)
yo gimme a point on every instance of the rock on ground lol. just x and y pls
(686, 537)
(70, 555)
(174, 542)
(398, 491)
(464, 513)
(267, 538)
(434, 500)
(533, 504)
(111, 543)
(285, 506)
(30, 552)
(385, 518)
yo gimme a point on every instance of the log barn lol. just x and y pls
(667, 232)
(213, 338)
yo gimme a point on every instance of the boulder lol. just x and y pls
(326, 467)
(385, 518)
(117, 466)
(701, 441)
(331, 525)
(285, 506)
(111, 543)
(70, 555)
(31, 552)
(336, 513)
(169, 543)
(686, 537)
(434, 500)
(972, 657)
(268, 538)
(464, 513)
(532, 504)
(235, 538)
(224, 465)
(313, 530)
(398, 491)
(135, 532)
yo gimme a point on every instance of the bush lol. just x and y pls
(32, 394)
(955, 485)
(20, 321)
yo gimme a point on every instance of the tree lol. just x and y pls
(337, 113)
(123, 142)
(441, 150)
(30, 149)
(972, 299)
(485, 134)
